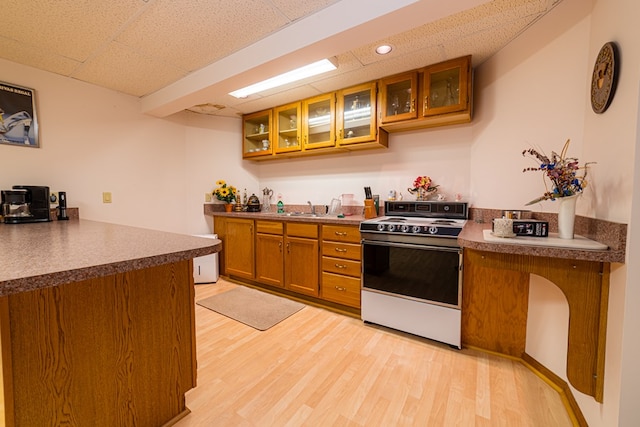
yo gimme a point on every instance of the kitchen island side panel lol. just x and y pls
(112, 350)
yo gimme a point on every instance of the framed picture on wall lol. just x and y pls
(18, 120)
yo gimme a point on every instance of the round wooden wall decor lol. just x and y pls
(604, 78)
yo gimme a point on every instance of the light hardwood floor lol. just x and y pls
(319, 368)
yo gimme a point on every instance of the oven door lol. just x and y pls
(420, 272)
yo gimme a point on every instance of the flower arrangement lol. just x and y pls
(422, 186)
(561, 170)
(224, 192)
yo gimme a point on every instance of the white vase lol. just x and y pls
(566, 216)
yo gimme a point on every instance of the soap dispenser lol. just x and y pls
(280, 204)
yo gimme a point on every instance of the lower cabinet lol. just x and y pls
(239, 248)
(322, 261)
(288, 259)
(270, 253)
(341, 264)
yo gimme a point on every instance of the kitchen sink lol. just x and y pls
(301, 214)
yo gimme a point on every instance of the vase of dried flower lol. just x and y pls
(566, 216)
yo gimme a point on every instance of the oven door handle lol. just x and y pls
(409, 245)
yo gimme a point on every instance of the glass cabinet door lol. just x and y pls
(319, 122)
(288, 130)
(398, 98)
(446, 87)
(356, 114)
(257, 134)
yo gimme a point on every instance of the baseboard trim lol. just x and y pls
(560, 385)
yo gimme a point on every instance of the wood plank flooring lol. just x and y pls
(319, 368)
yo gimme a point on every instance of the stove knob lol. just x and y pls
(380, 227)
(392, 227)
(433, 230)
(416, 229)
(405, 228)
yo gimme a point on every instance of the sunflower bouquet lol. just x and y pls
(224, 192)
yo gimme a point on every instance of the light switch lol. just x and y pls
(207, 197)
(106, 197)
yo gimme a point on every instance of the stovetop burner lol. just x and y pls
(443, 219)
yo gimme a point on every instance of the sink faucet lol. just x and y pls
(311, 208)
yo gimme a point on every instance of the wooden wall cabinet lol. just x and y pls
(437, 95)
(399, 98)
(239, 248)
(341, 264)
(319, 122)
(357, 119)
(257, 134)
(288, 128)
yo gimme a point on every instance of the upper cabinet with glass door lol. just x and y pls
(436, 95)
(288, 134)
(318, 127)
(398, 97)
(447, 87)
(257, 134)
(356, 115)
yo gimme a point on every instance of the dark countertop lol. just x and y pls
(40, 255)
(612, 234)
(216, 210)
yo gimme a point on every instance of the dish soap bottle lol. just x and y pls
(280, 204)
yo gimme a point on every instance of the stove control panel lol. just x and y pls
(395, 228)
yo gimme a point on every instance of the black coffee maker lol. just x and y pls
(26, 203)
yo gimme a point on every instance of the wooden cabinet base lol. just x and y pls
(115, 350)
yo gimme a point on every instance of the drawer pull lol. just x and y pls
(341, 289)
(340, 250)
(341, 233)
(340, 265)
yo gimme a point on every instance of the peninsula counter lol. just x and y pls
(97, 323)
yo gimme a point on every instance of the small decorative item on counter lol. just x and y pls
(266, 199)
(423, 187)
(224, 192)
(253, 204)
(503, 227)
(566, 184)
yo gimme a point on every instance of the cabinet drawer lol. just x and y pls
(269, 227)
(341, 289)
(299, 229)
(341, 233)
(341, 250)
(341, 266)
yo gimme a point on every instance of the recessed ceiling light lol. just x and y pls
(383, 49)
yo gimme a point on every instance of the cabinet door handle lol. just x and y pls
(341, 289)
(280, 246)
(288, 249)
(340, 265)
(413, 105)
(340, 250)
(341, 233)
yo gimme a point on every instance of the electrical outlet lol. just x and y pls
(53, 198)
(207, 197)
(106, 197)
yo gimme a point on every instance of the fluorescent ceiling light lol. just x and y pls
(310, 70)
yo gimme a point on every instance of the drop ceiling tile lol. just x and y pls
(124, 70)
(193, 33)
(70, 28)
(296, 9)
(481, 18)
(37, 57)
